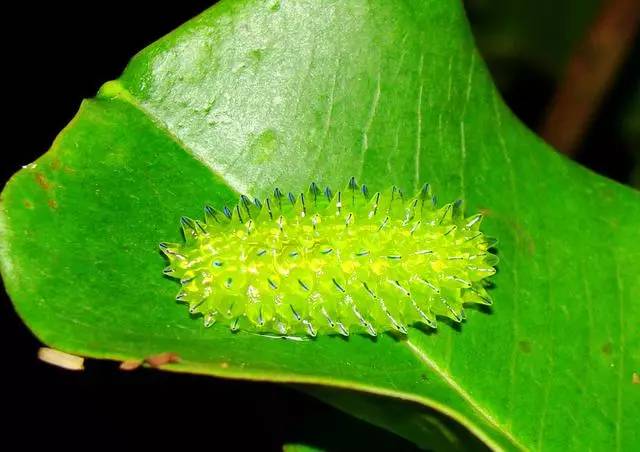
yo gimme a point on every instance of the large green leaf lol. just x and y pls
(254, 94)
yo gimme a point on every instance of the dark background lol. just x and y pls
(57, 54)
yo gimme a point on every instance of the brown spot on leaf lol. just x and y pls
(524, 346)
(162, 358)
(635, 378)
(28, 204)
(524, 239)
(607, 348)
(130, 364)
(486, 212)
(42, 181)
(523, 236)
(53, 203)
(55, 164)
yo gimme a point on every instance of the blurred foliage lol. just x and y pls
(540, 33)
(527, 45)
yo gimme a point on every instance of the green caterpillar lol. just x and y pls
(332, 263)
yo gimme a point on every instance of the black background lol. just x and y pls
(54, 55)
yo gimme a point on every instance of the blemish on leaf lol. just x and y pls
(523, 236)
(635, 378)
(263, 146)
(224, 365)
(237, 67)
(27, 204)
(52, 203)
(607, 348)
(520, 231)
(524, 346)
(42, 181)
(55, 164)
(256, 55)
(274, 5)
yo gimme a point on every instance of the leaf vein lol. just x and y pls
(424, 358)
(371, 116)
(514, 263)
(419, 126)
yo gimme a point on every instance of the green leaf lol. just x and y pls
(255, 94)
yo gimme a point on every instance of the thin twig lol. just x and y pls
(590, 73)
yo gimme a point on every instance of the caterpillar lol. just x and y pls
(332, 263)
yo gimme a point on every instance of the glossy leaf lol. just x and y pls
(252, 95)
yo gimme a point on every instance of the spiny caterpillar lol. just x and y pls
(324, 262)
